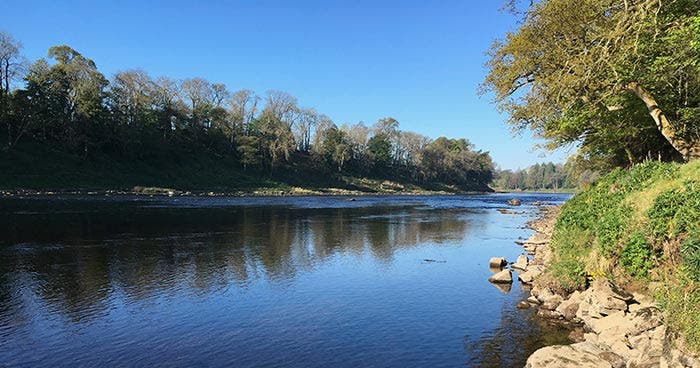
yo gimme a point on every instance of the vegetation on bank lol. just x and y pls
(133, 129)
(639, 226)
(20, 170)
(538, 177)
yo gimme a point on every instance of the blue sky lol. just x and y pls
(418, 61)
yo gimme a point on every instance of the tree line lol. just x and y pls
(66, 102)
(545, 176)
(618, 78)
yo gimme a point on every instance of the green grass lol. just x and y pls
(637, 224)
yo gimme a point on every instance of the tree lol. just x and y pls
(307, 120)
(379, 149)
(200, 96)
(336, 149)
(69, 95)
(585, 72)
(357, 135)
(131, 95)
(243, 107)
(11, 66)
(453, 161)
(168, 104)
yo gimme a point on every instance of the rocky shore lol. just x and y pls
(620, 329)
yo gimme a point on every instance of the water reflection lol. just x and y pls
(309, 282)
(75, 260)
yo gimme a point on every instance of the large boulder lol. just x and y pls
(514, 202)
(503, 277)
(580, 355)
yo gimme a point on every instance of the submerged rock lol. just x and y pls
(523, 305)
(583, 355)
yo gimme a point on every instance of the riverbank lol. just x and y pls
(261, 192)
(36, 169)
(620, 328)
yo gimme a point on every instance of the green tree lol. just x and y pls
(587, 71)
(379, 149)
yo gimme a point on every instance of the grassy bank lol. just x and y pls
(39, 168)
(641, 228)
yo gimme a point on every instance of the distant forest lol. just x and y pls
(64, 102)
(545, 176)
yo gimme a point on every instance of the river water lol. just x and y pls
(89, 281)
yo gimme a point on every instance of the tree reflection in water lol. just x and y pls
(73, 258)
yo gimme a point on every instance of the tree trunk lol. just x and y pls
(688, 149)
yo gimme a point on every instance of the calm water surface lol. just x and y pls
(262, 282)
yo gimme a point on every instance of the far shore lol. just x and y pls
(263, 192)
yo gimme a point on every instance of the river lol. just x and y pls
(378, 281)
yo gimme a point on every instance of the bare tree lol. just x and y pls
(199, 94)
(306, 122)
(12, 66)
(132, 93)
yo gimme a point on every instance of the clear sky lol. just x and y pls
(418, 61)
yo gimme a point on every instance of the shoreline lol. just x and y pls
(619, 329)
(295, 192)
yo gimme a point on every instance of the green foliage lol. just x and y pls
(690, 253)
(622, 225)
(589, 73)
(676, 211)
(636, 256)
(610, 228)
(570, 249)
(603, 212)
(680, 302)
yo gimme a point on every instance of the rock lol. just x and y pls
(548, 314)
(503, 277)
(533, 300)
(514, 202)
(602, 299)
(549, 300)
(615, 360)
(577, 335)
(676, 358)
(497, 262)
(552, 303)
(648, 347)
(526, 277)
(523, 305)
(537, 203)
(566, 356)
(505, 211)
(521, 262)
(569, 307)
(645, 319)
